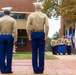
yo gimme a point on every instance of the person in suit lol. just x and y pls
(37, 30)
(8, 37)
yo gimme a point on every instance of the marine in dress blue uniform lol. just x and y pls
(56, 46)
(37, 30)
(8, 36)
(52, 45)
(69, 46)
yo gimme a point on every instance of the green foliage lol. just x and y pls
(48, 42)
(63, 8)
(50, 8)
(28, 55)
(68, 7)
(50, 57)
(48, 45)
(56, 34)
(22, 55)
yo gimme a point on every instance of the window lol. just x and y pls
(14, 16)
(1, 14)
(21, 16)
(18, 16)
(21, 42)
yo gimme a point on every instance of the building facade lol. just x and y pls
(67, 27)
(20, 11)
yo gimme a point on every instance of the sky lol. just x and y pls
(54, 25)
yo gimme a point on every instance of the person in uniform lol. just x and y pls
(14, 49)
(37, 30)
(66, 43)
(8, 36)
(69, 46)
(59, 46)
(75, 38)
(56, 46)
(74, 43)
(52, 45)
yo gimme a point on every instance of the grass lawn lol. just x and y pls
(28, 55)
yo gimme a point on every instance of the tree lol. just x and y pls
(50, 7)
(56, 34)
(68, 9)
(65, 8)
(48, 45)
(48, 41)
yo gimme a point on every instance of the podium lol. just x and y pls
(61, 49)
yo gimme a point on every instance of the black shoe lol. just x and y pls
(40, 72)
(3, 72)
(63, 53)
(55, 54)
(59, 53)
(35, 72)
(69, 54)
(9, 72)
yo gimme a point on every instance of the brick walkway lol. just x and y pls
(52, 67)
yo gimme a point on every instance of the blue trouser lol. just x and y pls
(68, 49)
(6, 46)
(38, 46)
(0, 64)
(53, 49)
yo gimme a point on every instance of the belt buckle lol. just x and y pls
(7, 33)
(3, 33)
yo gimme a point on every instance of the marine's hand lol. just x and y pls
(75, 47)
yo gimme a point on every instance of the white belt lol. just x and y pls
(5, 34)
(38, 31)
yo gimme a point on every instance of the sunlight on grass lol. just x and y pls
(50, 57)
(28, 55)
(22, 55)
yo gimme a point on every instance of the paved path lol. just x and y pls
(65, 66)
(64, 57)
(52, 67)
